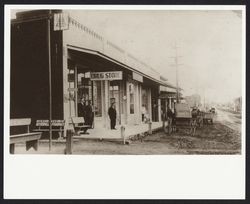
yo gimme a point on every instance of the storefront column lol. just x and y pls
(75, 91)
(66, 108)
(150, 104)
(170, 103)
(125, 98)
(137, 104)
(128, 102)
(103, 105)
(159, 109)
(140, 103)
(106, 104)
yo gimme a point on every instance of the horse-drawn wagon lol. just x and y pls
(182, 114)
(208, 118)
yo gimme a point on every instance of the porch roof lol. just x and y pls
(103, 60)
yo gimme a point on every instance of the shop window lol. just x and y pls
(97, 98)
(145, 98)
(131, 94)
(84, 89)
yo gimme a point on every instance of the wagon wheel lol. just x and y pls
(190, 126)
(201, 122)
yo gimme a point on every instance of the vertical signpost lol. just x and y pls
(50, 89)
(75, 90)
(60, 23)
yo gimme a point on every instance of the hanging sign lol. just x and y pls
(71, 77)
(167, 89)
(167, 95)
(172, 90)
(116, 75)
(61, 21)
(137, 77)
(163, 88)
(72, 89)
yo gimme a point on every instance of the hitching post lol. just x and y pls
(163, 124)
(123, 133)
(69, 142)
(150, 128)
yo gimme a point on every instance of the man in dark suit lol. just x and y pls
(170, 116)
(112, 116)
(81, 108)
(88, 113)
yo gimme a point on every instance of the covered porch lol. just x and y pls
(128, 132)
(129, 92)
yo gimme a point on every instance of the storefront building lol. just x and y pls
(84, 66)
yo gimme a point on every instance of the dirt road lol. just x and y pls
(231, 120)
(210, 139)
(222, 137)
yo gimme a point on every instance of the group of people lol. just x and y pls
(85, 110)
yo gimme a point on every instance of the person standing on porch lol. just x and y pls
(174, 120)
(112, 116)
(169, 119)
(88, 113)
(81, 108)
(143, 112)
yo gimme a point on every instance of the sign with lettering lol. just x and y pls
(116, 75)
(72, 89)
(137, 77)
(167, 89)
(163, 88)
(53, 122)
(172, 90)
(167, 95)
(61, 21)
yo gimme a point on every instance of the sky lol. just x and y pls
(209, 45)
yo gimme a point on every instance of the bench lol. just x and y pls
(79, 126)
(30, 138)
(57, 126)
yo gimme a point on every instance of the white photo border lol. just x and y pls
(122, 177)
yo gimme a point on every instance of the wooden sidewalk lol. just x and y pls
(121, 133)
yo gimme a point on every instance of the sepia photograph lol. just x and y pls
(117, 102)
(134, 82)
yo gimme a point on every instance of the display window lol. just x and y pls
(132, 99)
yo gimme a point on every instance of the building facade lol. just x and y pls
(82, 65)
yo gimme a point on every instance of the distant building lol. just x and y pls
(237, 104)
(193, 100)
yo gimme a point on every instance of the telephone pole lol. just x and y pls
(176, 65)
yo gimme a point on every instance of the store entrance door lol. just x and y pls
(85, 97)
(93, 92)
(115, 97)
(98, 97)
